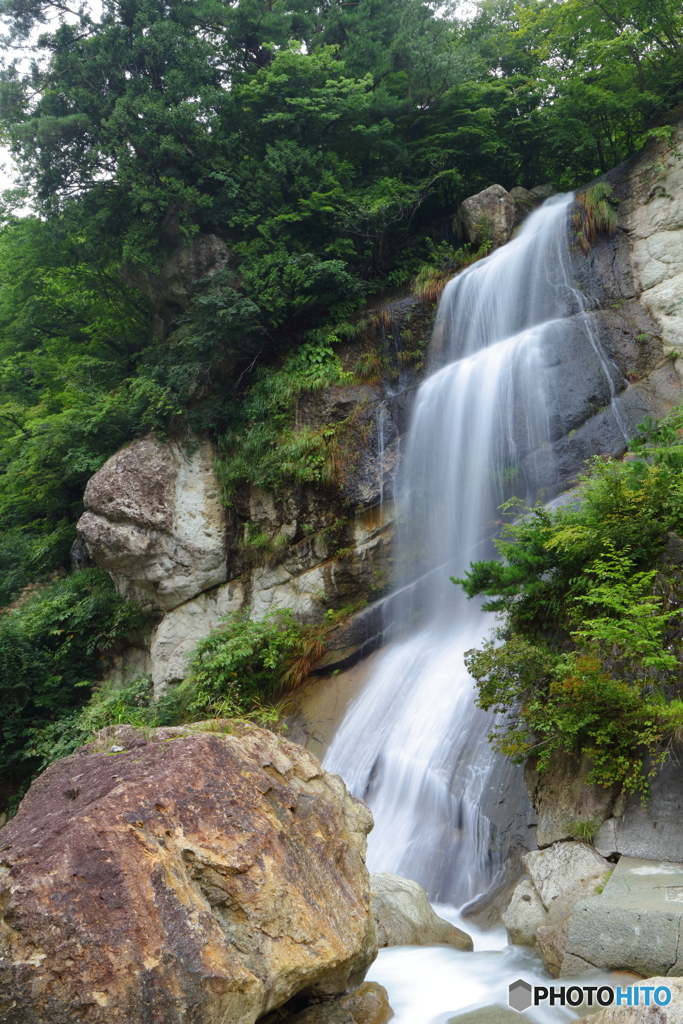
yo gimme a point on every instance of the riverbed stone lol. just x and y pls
(636, 924)
(404, 916)
(525, 914)
(204, 873)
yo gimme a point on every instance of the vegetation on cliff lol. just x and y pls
(589, 657)
(328, 147)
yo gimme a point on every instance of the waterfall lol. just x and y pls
(413, 744)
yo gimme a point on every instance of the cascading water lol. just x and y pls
(413, 743)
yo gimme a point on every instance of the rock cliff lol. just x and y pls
(154, 519)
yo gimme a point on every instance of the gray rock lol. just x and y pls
(154, 521)
(562, 875)
(634, 925)
(561, 797)
(654, 832)
(175, 638)
(404, 916)
(525, 201)
(671, 1014)
(489, 214)
(543, 191)
(566, 872)
(525, 914)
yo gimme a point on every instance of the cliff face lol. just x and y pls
(154, 519)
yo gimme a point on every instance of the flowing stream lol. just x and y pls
(413, 744)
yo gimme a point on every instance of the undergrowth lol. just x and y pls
(238, 672)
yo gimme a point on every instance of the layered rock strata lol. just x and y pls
(191, 875)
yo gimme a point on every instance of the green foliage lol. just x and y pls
(585, 832)
(51, 648)
(588, 658)
(264, 444)
(235, 673)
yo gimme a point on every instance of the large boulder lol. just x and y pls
(489, 215)
(184, 876)
(404, 916)
(154, 520)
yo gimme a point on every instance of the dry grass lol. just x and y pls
(596, 214)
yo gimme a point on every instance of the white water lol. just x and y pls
(413, 744)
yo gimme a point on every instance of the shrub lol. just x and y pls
(588, 658)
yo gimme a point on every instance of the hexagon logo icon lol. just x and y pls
(519, 995)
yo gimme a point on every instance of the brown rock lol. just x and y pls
(369, 1004)
(489, 214)
(198, 876)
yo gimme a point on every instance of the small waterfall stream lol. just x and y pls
(413, 744)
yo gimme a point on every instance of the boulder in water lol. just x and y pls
(188, 875)
(404, 916)
(561, 876)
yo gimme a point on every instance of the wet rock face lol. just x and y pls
(635, 924)
(190, 877)
(154, 521)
